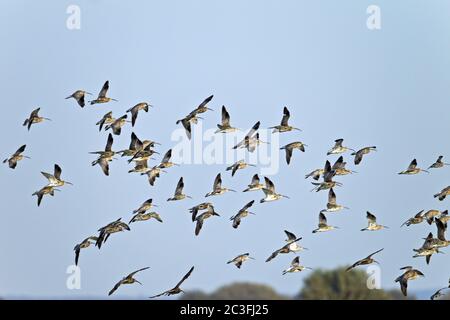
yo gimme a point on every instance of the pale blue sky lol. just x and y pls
(387, 88)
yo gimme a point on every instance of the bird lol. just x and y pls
(254, 185)
(217, 187)
(135, 110)
(55, 178)
(323, 226)
(152, 174)
(137, 146)
(288, 247)
(202, 217)
(144, 153)
(332, 206)
(430, 214)
(127, 280)
(361, 152)
(444, 218)
(106, 231)
(45, 190)
(241, 164)
(427, 249)
(242, 214)
(105, 156)
(328, 182)
(176, 289)
(438, 164)
(440, 241)
(295, 267)
(34, 118)
(408, 274)
(179, 195)
(338, 147)
(372, 223)
(444, 193)
(79, 97)
(107, 119)
(284, 125)
(292, 241)
(166, 163)
(225, 126)
(240, 259)
(83, 245)
(440, 293)
(102, 98)
(117, 125)
(141, 216)
(186, 123)
(16, 157)
(315, 174)
(202, 206)
(418, 218)
(202, 108)
(367, 260)
(251, 139)
(289, 148)
(146, 205)
(412, 168)
(270, 193)
(339, 167)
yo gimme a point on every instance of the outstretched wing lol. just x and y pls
(187, 274)
(286, 115)
(225, 117)
(104, 90)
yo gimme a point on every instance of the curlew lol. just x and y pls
(135, 110)
(141, 216)
(361, 152)
(418, 218)
(338, 147)
(179, 195)
(16, 157)
(323, 226)
(408, 274)
(284, 125)
(438, 163)
(176, 289)
(270, 193)
(440, 292)
(106, 120)
(106, 231)
(413, 169)
(217, 187)
(242, 214)
(55, 178)
(367, 260)
(444, 193)
(295, 267)
(240, 259)
(105, 156)
(332, 206)
(202, 206)
(102, 98)
(225, 126)
(210, 212)
(287, 248)
(372, 224)
(34, 118)
(45, 190)
(241, 164)
(79, 96)
(117, 125)
(86, 243)
(289, 148)
(254, 185)
(129, 279)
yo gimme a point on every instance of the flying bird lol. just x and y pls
(146, 205)
(117, 125)
(361, 152)
(79, 97)
(241, 164)
(45, 190)
(217, 187)
(412, 169)
(444, 193)
(323, 226)
(440, 292)
(254, 185)
(242, 214)
(106, 120)
(240, 259)
(427, 249)
(251, 139)
(55, 178)
(202, 206)
(106, 231)
(225, 126)
(179, 195)
(140, 216)
(127, 280)
(176, 289)
(86, 243)
(295, 267)
(166, 163)
(438, 164)
(372, 224)
(16, 157)
(284, 125)
(289, 148)
(367, 260)
(135, 110)
(210, 212)
(338, 147)
(288, 247)
(102, 98)
(328, 182)
(332, 206)
(105, 156)
(408, 274)
(418, 218)
(270, 193)
(34, 118)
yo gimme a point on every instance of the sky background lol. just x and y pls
(387, 88)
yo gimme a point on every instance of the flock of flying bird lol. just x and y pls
(140, 152)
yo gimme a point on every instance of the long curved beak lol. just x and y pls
(298, 130)
(232, 190)
(189, 197)
(114, 99)
(88, 93)
(285, 196)
(137, 282)
(67, 182)
(209, 109)
(252, 213)
(48, 119)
